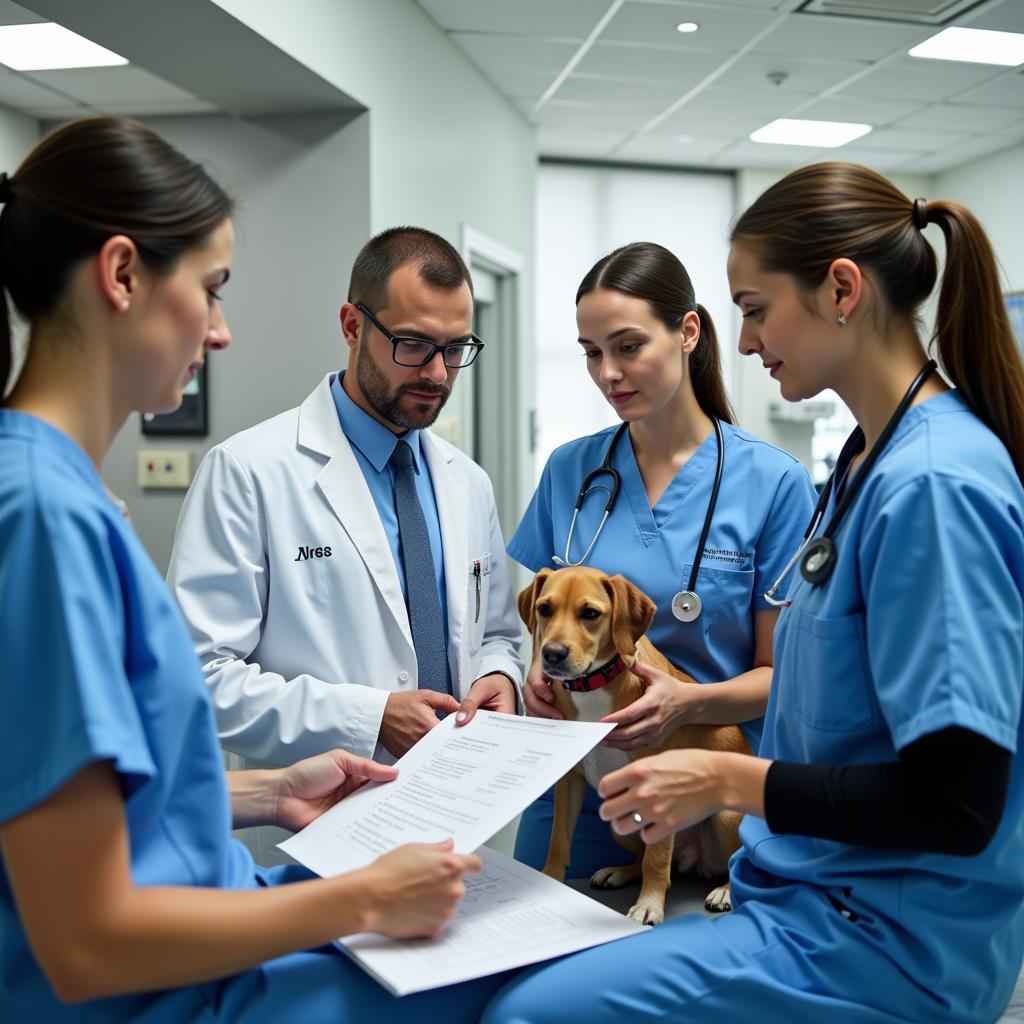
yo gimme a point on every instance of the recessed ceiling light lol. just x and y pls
(687, 26)
(49, 47)
(975, 46)
(787, 131)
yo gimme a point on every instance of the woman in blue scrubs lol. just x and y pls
(652, 351)
(119, 884)
(880, 877)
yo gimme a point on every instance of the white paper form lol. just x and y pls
(511, 916)
(464, 784)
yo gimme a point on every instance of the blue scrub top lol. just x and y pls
(921, 627)
(764, 503)
(96, 664)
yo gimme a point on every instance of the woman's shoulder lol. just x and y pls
(760, 458)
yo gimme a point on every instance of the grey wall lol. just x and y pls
(303, 190)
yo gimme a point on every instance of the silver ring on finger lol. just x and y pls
(637, 818)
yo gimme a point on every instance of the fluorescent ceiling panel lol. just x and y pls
(787, 131)
(974, 46)
(48, 47)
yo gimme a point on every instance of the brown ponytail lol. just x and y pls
(650, 272)
(818, 214)
(976, 344)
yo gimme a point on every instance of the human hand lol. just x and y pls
(651, 717)
(669, 791)
(494, 692)
(409, 716)
(416, 889)
(537, 695)
(308, 788)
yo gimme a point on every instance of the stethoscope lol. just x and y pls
(686, 605)
(818, 557)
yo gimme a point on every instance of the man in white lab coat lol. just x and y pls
(295, 564)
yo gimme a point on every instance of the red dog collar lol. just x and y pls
(602, 677)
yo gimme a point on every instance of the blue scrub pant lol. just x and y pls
(593, 846)
(786, 955)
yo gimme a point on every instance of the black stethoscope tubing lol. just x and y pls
(606, 468)
(818, 557)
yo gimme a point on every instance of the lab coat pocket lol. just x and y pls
(831, 684)
(476, 604)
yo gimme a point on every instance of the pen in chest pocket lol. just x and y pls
(476, 578)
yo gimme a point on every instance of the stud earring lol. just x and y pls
(841, 319)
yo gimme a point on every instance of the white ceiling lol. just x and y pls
(614, 80)
(56, 95)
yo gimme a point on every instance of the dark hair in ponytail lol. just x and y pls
(652, 273)
(820, 213)
(83, 183)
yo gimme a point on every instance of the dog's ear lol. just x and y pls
(632, 613)
(528, 599)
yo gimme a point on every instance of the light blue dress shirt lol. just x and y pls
(373, 444)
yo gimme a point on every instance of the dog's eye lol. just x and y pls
(544, 610)
(591, 613)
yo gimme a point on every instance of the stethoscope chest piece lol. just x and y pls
(686, 606)
(818, 561)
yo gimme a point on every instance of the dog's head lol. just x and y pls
(579, 618)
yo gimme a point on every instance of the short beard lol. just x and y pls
(387, 403)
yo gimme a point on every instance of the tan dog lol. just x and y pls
(588, 629)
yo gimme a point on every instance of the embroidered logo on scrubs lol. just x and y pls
(726, 555)
(305, 553)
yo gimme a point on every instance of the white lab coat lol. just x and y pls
(300, 654)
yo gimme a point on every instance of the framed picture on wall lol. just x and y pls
(1015, 307)
(191, 417)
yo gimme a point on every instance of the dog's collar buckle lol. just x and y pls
(601, 677)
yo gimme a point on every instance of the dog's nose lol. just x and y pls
(554, 654)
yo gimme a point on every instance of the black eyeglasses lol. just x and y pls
(408, 351)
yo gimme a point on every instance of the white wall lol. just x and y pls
(446, 148)
(991, 188)
(584, 212)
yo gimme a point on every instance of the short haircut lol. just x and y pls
(438, 261)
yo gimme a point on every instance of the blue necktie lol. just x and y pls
(421, 597)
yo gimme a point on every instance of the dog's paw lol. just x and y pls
(612, 878)
(718, 900)
(648, 911)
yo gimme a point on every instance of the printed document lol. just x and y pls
(511, 916)
(462, 784)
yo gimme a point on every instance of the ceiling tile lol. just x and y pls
(960, 117)
(672, 150)
(879, 159)
(621, 91)
(1004, 90)
(802, 76)
(519, 83)
(655, 23)
(517, 52)
(754, 154)
(524, 17)
(593, 144)
(563, 113)
(174, 108)
(19, 92)
(12, 14)
(684, 68)
(909, 139)
(1007, 16)
(846, 38)
(943, 159)
(102, 86)
(859, 110)
(762, 104)
(912, 79)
